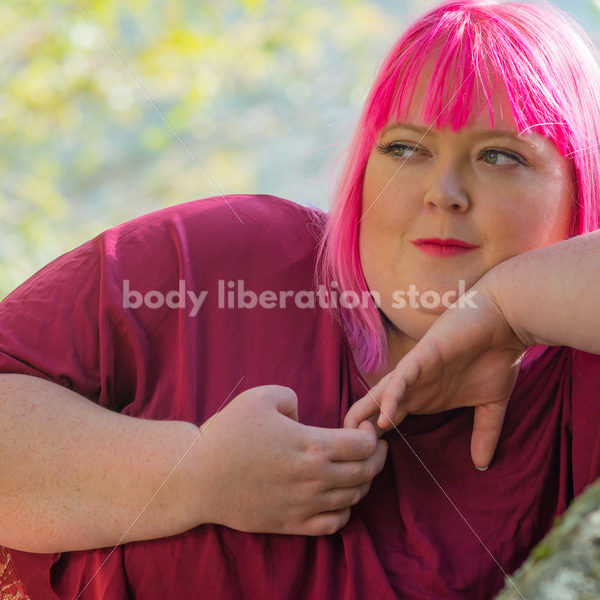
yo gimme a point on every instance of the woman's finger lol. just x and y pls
(324, 523)
(392, 409)
(338, 499)
(487, 425)
(367, 408)
(348, 474)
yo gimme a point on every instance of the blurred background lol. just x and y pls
(111, 109)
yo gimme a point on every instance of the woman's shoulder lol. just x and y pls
(253, 231)
(224, 223)
(235, 212)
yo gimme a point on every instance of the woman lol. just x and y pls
(162, 321)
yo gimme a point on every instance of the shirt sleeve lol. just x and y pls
(73, 322)
(65, 325)
(49, 325)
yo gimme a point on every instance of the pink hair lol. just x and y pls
(551, 73)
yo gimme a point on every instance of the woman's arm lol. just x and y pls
(551, 295)
(74, 475)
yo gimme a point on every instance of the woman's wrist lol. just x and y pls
(497, 286)
(191, 495)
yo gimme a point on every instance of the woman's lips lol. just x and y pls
(439, 247)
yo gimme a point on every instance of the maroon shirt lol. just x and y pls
(405, 539)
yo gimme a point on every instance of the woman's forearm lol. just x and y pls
(74, 475)
(550, 295)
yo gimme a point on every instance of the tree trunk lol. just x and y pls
(565, 565)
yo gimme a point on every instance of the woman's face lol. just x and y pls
(486, 187)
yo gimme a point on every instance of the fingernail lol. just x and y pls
(481, 468)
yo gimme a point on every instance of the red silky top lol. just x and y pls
(408, 538)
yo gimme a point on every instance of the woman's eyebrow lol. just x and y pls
(399, 125)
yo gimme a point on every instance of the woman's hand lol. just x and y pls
(262, 471)
(469, 357)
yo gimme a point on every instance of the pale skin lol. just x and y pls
(511, 196)
(76, 476)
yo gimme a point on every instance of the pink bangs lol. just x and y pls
(546, 66)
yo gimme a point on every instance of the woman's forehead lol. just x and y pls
(479, 106)
(484, 112)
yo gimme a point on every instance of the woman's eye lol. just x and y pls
(501, 157)
(396, 150)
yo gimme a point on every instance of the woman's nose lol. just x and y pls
(446, 191)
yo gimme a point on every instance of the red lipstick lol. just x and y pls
(439, 247)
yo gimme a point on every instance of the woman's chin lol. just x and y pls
(414, 322)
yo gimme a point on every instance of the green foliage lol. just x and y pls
(112, 109)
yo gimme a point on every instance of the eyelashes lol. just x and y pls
(505, 153)
(408, 151)
(395, 146)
